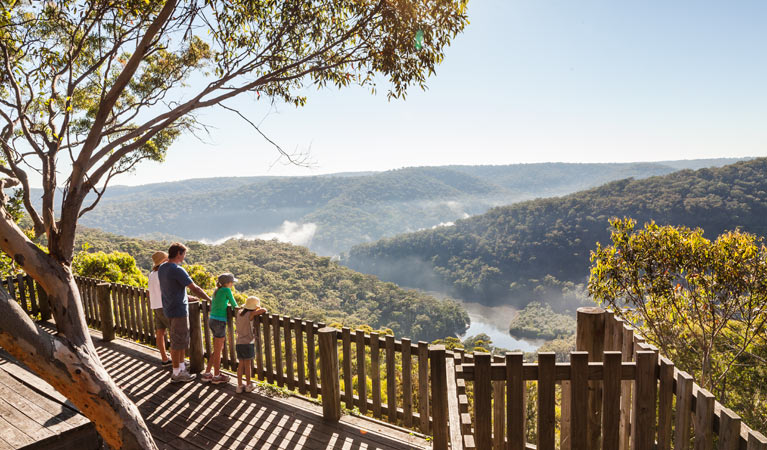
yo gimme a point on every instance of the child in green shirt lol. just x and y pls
(222, 298)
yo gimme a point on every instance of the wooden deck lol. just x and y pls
(34, 415)
(203, 416)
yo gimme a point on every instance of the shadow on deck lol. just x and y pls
(203, 416)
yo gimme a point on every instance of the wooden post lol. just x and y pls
(499, 409)
(423, 385)
(375, 374)
(195, 339)
(665, 403)
(684, 384)
(105, 307)
(644, 401)
(483, 412)
(611, 400)
(362, 393)
(546, 383)
(729, 430)
(579, 401)
(346, 337)
(329, 376)
(627, 350)
(515, 402)
(756, 441)
(32, 297)
(704, 420)
(590, 337)
(437, 356)
(23, 293)
(391, 382)
(407, 383)
(45, 306)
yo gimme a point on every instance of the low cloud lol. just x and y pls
(443, 224)
(291, 232)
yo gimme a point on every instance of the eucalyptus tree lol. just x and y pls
(90, 88)
(703, 302)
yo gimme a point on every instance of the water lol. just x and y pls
(494, 322)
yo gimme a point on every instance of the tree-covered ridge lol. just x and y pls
(296, 282)
(507, 252)
(347, 209)
(539, 321)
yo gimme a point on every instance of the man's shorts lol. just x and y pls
(217, 327)
(179, 333)
(160, 321)
(245, 351)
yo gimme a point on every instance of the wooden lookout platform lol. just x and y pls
(199, 415)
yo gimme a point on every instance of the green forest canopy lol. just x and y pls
(540, 248)
(293, 281)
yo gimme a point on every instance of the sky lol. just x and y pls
(527, 81)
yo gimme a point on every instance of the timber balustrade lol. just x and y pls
(616, 392)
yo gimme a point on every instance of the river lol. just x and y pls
(494, 322)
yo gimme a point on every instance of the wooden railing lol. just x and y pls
(29, 294)
(288, 354)
(616, 392)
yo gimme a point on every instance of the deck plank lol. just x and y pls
(33, 412)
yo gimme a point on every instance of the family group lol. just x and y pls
(168, 284)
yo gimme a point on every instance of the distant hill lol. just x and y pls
(331, 213)
(293, 281)
(540, 248)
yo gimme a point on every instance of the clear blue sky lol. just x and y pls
(528, 81)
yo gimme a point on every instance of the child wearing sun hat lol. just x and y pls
(245, 344)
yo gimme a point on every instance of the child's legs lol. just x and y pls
(215, 359)
(240, 371)
(246, 369)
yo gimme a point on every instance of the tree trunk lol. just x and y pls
(68, 361)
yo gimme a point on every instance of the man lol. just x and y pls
(174, 281)
(155, 300)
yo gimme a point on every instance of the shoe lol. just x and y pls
(207, 376)
(249, 388)
(239, 389)
(166, 363)
(182, 377)
(220, 378)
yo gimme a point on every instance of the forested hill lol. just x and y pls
(331, 213)
(514, 254)
(293, 281)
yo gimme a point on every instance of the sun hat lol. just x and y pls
(252, 303)
(159, 258)
(226, 278)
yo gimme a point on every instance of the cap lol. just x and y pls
(225, 278)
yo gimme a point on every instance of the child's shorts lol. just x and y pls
(245, 351)
(217, 327)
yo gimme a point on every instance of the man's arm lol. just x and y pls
(197, 291)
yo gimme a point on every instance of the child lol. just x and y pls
(246, 341)
(222, 298)
(161, 322)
